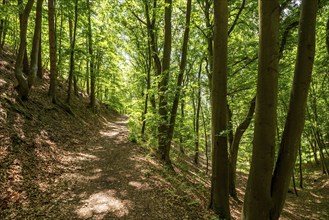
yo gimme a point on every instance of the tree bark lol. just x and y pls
(153, 41)
(296, 113)
(197, 117)
(59, 39)
(26, 66)
(4, 34)
(73, 34)
(92, 71)
(219, 183)
(210, 41)
(2, 28)
(327, 37)
(40, 68)
(148, 78)
(35, 45)
(180, 78)
(163, 86)
(206, 140)
(52, 50)
(258, 202)
(148, 87)
(87, 73)
(152, 34)
(235, 147)
(181, 136)
(22, 87)
(300, 167)
(152, 37)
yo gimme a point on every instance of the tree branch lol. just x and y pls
(285, 36)
(237, 17)
(138, 18)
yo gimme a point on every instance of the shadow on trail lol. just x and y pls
(112, 179)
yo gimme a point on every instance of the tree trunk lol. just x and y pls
(219, 183)
(26, 66)
(40, 68)
(314, 150)
(145, 105)
(2, 28)
(300, 167)
(319, 142)
(163, 86)
(151, 31)
(73, 33)
(197, 116)
(258, 202)
(75, 85)
(148, 85)
(59, 39)
(235, 147)
(180, 78)
(52, 50)
(298, 100)
(327, 37)
(181, 136)
(209, 41)
(294, 183)
(22, 87)
(35, 45)
(230, 135)
(4, 34)
(87, 76)
(206, 141)
(92, 71)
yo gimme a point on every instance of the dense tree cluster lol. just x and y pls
(244, 83)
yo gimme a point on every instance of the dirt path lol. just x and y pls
(110, 178)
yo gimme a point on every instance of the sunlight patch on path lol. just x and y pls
(110, 134)
(69, 157)
(102, 203)
(139, 185)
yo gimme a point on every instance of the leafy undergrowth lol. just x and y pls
(58, 166)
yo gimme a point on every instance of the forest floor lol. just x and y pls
(55, 165)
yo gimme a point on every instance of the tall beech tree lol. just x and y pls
(26, 76)
(73, 34)
(34, 65)
(3, 28)
(209, 36)
(22, 87)
(219, 181)
(152, 54)
(164, 148)
(92, 60)
(258, 201)
(180, 77)
(234, 148)
(296, 113)
(327, 36)
(265, 194)
(52, 50)
(197, 117)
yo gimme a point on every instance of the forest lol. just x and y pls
(164, 109)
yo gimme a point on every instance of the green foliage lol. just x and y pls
(124, 62)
